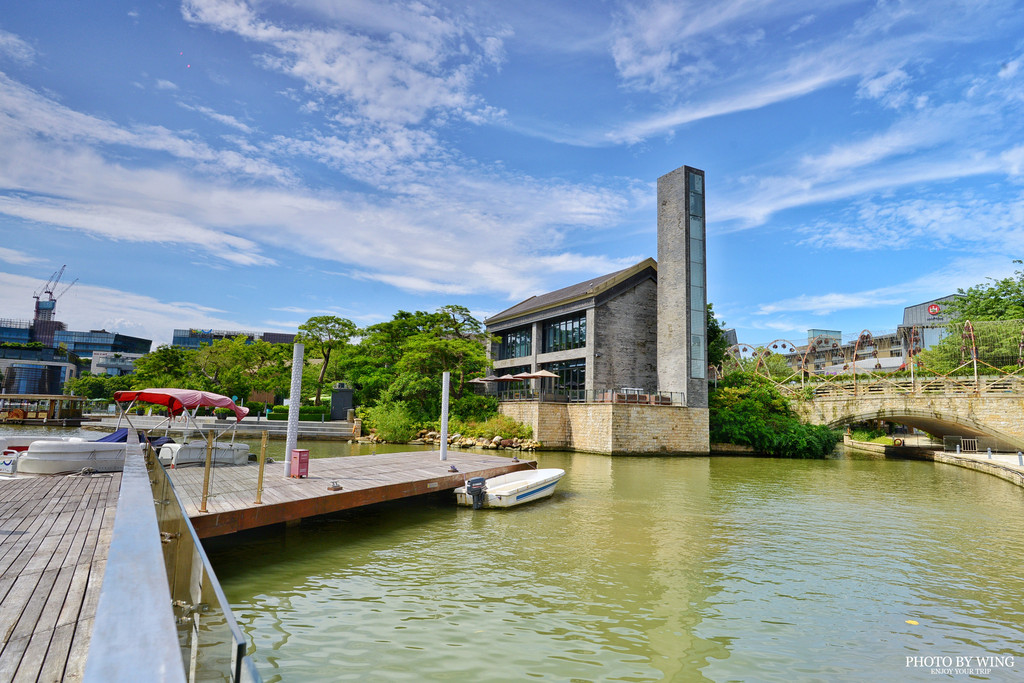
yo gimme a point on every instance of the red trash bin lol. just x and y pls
(300, 462)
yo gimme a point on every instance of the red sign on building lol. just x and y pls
(934, 309)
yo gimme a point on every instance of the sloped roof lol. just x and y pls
(581, 290)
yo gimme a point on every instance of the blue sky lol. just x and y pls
(248, 164)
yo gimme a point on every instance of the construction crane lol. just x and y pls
(45, 308)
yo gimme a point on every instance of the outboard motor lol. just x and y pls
(476, 487)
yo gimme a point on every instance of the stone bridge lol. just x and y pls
(990, 409)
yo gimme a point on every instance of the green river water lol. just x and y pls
(649, 569)
(646, 569)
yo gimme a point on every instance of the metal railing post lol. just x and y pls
(206, 473)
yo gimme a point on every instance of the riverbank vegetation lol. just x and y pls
(746, 409)
(393, 367)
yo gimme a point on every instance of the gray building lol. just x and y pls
(113, 363)
(194, 337)
(640, 329)
(595, 335)
(924, 325)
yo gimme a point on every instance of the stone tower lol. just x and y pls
(682, 286)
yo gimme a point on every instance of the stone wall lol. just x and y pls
(614, 428)
(626, 340)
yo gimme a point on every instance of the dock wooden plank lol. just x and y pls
(10, 658)
(365, 480)
(54, 538)
(56, 659)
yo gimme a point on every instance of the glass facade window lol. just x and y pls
(572, 377)
(698, 269)
(565, 333)
(515, 343)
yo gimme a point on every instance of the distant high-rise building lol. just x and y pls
(194, 337)
(83, 344)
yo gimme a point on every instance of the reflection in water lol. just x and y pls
(646, 569)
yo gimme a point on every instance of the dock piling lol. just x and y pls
(263, 462)
(206, 474)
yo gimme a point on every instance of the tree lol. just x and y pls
(717, 343)
(324, 334)
(98, 386)
(401, 360)
(996, 300)
(994, 310)
(169, 366)
(237, 367)
(747, 409)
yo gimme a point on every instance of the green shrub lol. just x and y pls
(473, 408)
(306, 413)
(748, 410)
(866, 434)
(496, 425)
(393, 422)
(255, 407)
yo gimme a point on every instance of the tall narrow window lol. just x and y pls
(515, 343)
(565, 333)
(698, 276)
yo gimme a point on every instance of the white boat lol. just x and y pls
(180, 402)
(510, 489)
(58, 454)
(194, 453)
(47, 456)
(54, 455)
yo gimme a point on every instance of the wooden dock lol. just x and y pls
(365, 479)
(54, 537)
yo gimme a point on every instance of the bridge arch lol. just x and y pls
(928, 421)
(998, 416)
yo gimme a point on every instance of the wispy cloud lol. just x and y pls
(65, 169)
(86, 307)
(15, 48)
(213, 115)
(417, 62)
(18, 258)
(709, 60)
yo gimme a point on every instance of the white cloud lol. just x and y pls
(89, 307)
(14, 47)
(431, 212)
(415, 64)
(889, 88)
(213, 115)
(32, 120)
(1011, 68)
(18, 258)
(940, 221)
(689, 52)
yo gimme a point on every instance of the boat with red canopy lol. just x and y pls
(186, 404)
(177, 401)
(50, 455)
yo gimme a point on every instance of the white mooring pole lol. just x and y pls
(294, 401)
(445, 376)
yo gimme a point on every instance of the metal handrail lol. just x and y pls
(160, 603)
(922, 385)
(204, 611)
(133, 635)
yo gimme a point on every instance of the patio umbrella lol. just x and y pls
(542, 375)
(507, 378)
